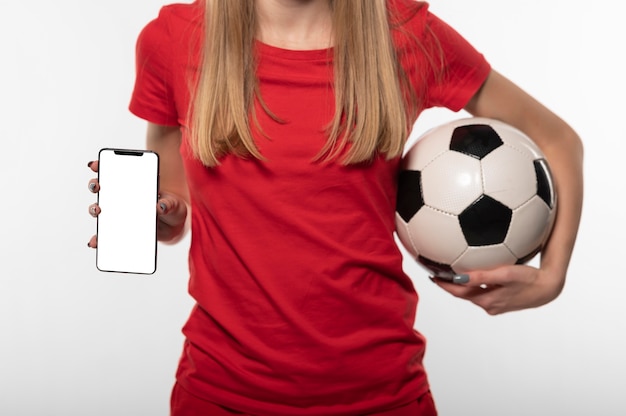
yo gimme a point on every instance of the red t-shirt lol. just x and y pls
(302, 304)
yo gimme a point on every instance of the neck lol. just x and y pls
(295, 24)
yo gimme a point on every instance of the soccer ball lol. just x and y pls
(474, 194)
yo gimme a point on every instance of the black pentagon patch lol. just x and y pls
(544, 182)
(438, 269)
(485, 222)
(475, 140)
(409, 199)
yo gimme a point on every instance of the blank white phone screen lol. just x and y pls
(127, 221)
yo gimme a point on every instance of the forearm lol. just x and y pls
(563, 150)
(566, 162)
(173, 205)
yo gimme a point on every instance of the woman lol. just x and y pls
(279, 126)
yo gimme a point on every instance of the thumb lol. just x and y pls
(488, 278)
(171, 209)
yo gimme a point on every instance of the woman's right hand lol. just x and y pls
(172, 211)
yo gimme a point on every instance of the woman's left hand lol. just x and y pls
(505, 289)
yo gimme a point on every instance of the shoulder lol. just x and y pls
(181, 15)
(416, 27)
(443, 66)
(415, 18)
(171, 39)
(413, 26)
(408, 14)
(174, 23)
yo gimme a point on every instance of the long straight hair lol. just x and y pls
(367, 80)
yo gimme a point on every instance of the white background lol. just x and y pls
(78, 342)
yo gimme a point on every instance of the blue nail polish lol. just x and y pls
(461, 279)
(92, 186)
(163, 207)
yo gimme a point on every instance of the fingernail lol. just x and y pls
(89, 244)
(92, 186)
(460, 279)
(163, 207)
(89, 164)
(92, 210)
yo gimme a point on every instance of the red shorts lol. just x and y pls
(186, 404)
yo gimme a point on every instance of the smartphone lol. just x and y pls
(127, 223)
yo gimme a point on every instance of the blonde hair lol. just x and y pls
(368, 80)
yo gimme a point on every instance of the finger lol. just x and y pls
(459, 279)
(463, 291)
(94, 210)
(93, 242)
(94, 185)
(93, 165)
(486, 279)
(487, 297)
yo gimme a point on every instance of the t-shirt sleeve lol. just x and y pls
(463, 69)
(153, 97)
